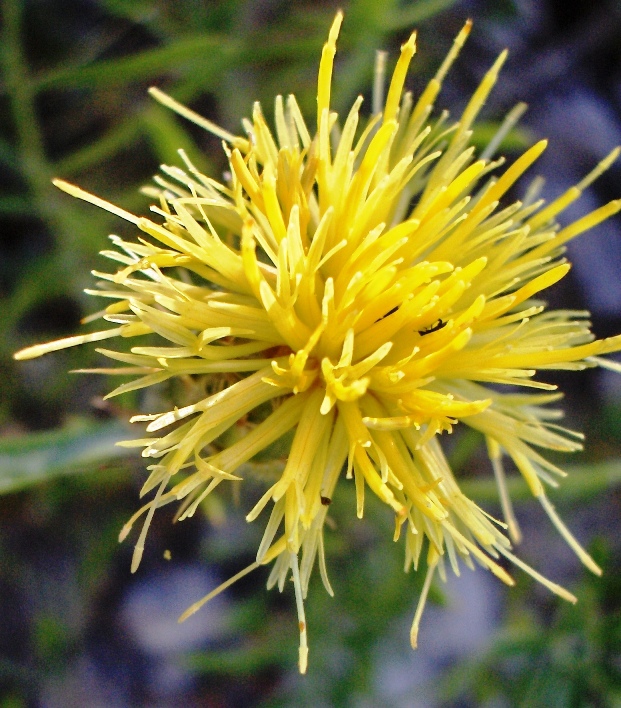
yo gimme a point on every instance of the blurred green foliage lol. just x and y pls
(566, 660)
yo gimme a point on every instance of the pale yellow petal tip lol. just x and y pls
(188, 613)
(411, 43)
(568, 536)
(303, 659)
(158, 95)
(515, 533)
(494, 70)
(79, 193)
(124, 532)
(336, 27)
(502, 575)
(414, 637)
(137, 557)
(37, 350)
(565, 594)
(27, 353)
(65, 186)
(612, 156)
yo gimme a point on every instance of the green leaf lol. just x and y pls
(114, 72)
(582, 482)
(7, 154)
(40, 457)
(518, 139)
(16, 204)
(135, 10)
(118, 137)
(413, 14)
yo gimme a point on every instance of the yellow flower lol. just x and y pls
(360, 287)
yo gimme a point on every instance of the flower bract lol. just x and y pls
(363, 286)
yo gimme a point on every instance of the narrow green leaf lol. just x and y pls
(117, 138)
(582, 481)
(7, 154)
(413, 14)
(15, 204)
(146, 64)
(40, 457)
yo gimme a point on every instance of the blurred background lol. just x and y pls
(76, 628)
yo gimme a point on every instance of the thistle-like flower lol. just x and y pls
(361, 288)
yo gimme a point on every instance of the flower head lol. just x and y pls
(362, 288)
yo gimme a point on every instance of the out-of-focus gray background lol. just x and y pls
(76, 628)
